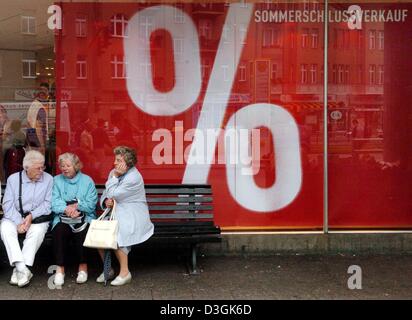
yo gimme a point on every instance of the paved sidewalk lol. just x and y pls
(254, 277)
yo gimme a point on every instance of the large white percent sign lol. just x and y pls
(188, 69)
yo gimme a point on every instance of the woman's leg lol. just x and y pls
(122, 257)
(61, 235)
(81, 251)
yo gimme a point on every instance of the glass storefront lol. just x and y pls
(226, 93)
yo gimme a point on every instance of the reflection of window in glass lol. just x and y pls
(274, 71)
(322, 70)
(372, 70)
(340, 73)
(178, 48)
(372, 39)
(225, 34)
(314, 74)
(63, 69)
(29, 68)
(81, 27)
(81, 68)
(360, 39)
(28, 25)
(243, 4)
(305, 33)
(146, 26)
(315, 38)
(381, 40)
(305, 5)
(292, 39)
(269, 5)
(242, 72)
(205, 28)
(346, 35)
(270, 37)
(118, 67)
(205, 69)
(334, 74)
(243, 31)
(303, 73)
(341, 38)
(225, 72)
(179, 14)
(346, 77)
(180, 84)
(360, 74)
(380, 75)
(146, 70)
(119, 25)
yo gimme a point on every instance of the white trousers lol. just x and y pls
(32, 242)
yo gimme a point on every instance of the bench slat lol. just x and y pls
(181, 216)
(180, 207)
(178, 199)
(179, 191)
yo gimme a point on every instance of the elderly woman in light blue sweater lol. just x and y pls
(125, 186)
(74, 199)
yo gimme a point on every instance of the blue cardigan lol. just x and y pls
(82, 187)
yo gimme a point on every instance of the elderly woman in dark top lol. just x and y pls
(125, 186)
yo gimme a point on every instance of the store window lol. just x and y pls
(29, 69)
(81, 27)
(119, 26)
(28, 25)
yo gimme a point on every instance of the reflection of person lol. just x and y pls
(3, 120)
(125, 186)
(354, 130)
(13, 147)
(354, 133)
(74, 196)
(29, 217)
(37, 118)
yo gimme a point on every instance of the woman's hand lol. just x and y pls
(108, 203)
(120, 169)
(75, 214)
(70, 210)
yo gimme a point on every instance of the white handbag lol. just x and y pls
(102, 234)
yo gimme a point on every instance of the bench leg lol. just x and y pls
(193, 268)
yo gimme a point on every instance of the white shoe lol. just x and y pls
(81, 277)
(119, 281)
(24, 278)
(100, 279)
(14, 280)
(59, 279)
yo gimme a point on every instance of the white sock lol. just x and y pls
(20, 266)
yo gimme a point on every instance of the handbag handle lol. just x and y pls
(112, 212)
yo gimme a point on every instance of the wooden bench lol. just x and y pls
(181, 214)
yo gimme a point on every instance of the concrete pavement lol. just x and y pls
(159, 276)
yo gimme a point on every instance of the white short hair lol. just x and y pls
(31, 157)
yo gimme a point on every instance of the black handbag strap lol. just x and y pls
(20, 187)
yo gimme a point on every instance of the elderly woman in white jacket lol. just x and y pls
(125, 186)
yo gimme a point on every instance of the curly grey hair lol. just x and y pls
(73, 158)
(128, 154)
(31, 157)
